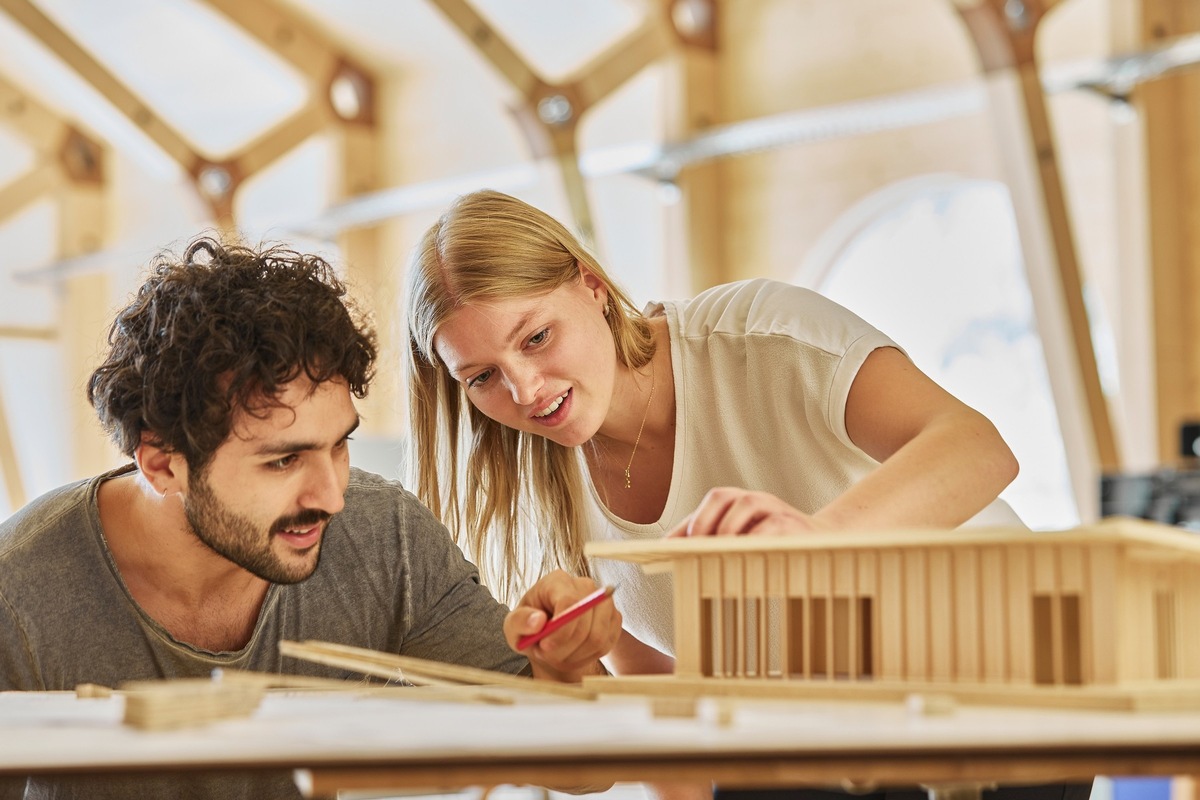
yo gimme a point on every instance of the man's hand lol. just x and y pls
(574, 650)
(729, 511)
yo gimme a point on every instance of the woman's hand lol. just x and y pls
(730, 511)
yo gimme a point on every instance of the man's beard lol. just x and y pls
(236, 538)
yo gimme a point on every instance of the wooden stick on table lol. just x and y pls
(419, 670)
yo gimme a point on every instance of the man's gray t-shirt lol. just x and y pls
(390, 578)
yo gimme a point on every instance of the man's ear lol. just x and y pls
(164, 470)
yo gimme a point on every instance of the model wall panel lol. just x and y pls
(993, 597)
(710, 577)
(820, 574)
(689, 632)
(892, 632)
(868, 572)
(1189, 620)
(941, 614)
(916, 614)
(1135, 613)
(1071, 562)
(1045, 570)
(777, 575)
(797, 574)
(1103, 577)
(1020, 632)
(968, 648)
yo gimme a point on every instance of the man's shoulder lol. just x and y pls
(61, 509)
(370, 488)
(373, 501)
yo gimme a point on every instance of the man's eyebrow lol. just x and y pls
(296, 446)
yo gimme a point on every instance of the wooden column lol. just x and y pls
(695, 260)
(1004, 33)
(84, 309)
(1170, 110)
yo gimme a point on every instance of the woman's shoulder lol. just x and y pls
(761, 306)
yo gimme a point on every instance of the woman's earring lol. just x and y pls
(606, 308)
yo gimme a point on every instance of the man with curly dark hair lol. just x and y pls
(230, 382)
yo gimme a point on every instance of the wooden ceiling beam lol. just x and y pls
(286, 34)
(35, 184)
(608, 71)
(550, 112)
(23, 333)
(36, 124)
(283, 137)
(45, 30)
(490, 44)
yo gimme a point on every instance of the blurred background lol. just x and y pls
(1008, 188)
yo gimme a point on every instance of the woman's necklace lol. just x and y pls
(641, 427)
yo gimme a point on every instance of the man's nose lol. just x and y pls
(326, 489)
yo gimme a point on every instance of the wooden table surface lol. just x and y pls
(342, 741)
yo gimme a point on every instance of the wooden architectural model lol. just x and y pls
(1101, 616)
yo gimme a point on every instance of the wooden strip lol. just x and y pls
(35, 184)
(43, 130)
(916, 620)
(992, 588)
(1189, 621)
(32, 334)
(940, 598)
(625, 59)
(891, 616)
(282, 138)
(394, 667)
(161, 705)
(689, 632)
(1020, 620)
(42, 28)
(968, 654)
(286, 34)
(484, 37)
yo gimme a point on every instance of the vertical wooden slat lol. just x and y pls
(891, 616)
(941, 616)
(1020, 631)
(993, 595)
(689, 630)
(968, 651)
(916, 615)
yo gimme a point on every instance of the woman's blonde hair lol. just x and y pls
(489, 246)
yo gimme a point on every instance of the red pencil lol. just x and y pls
(595, 598)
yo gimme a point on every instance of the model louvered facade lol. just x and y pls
(1108, 612)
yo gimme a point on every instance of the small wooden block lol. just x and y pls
(673, 706)
(156, 705)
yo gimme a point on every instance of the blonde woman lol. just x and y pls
(547, 411)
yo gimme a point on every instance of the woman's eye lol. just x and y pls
(479, 379)
(539, 337)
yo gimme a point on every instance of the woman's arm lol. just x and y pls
(941, 463)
